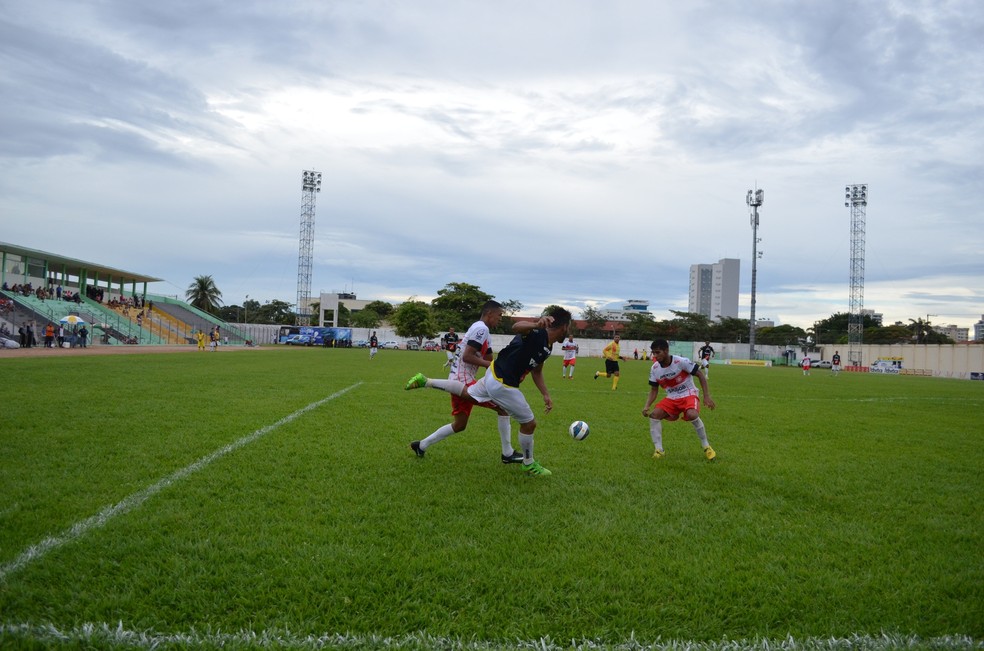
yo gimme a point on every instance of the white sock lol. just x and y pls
(505, 435)
(526, 442)
(701, 433)
(451, 386)
(439, 434)
(656, 432)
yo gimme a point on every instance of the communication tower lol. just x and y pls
(310, 187)
(754, 199)
(856, 198)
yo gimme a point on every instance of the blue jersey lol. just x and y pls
(523, 354)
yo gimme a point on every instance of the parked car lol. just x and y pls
(432, 345)
(412, 345)
(298, 340)
(390, 344)
(823, 363)
(362, 343)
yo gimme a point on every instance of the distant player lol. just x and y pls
(612, 356)
(675, 374)
(200, 338)
(570, 357)
(450, 341)
(704, 354)
(806, 365)
(373, 345)
(835, 362)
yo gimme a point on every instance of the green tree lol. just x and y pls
(640, 326)
(274, 312)
(509, 310)
(366, 318)
(458, 305)
(414, 319)
(203, 294)
(893, 334)
(729, 329)
(595, 322)
(780, 335)
(690, 326)
(381, 308)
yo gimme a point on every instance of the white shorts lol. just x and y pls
(510, 399)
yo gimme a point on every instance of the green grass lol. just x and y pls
(839, 508)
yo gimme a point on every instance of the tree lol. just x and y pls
(690, 326)
(782, 335)
(458, 305)
(595, 322)
(414, 319)
(509, 310)
(729, 329)
(274, 312)
(203, 294)
(366, 318)
(381, 308)
(641, 326)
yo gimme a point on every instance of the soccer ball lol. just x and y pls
(579, 430)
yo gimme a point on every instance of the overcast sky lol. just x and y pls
(568, 151)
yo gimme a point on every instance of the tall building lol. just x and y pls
(979, 330)
(714, 289)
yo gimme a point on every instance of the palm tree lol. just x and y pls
(203, 294)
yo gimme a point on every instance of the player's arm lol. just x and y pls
(472, 356)
(650, 399)
(706, 391)
(525, 327)
(537, 375)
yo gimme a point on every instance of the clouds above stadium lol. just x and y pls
(574, 152)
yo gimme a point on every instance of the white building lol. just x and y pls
(955, 333)
(714, 289)
(631, 306)
(979, 330)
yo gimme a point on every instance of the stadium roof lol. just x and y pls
(56, 263)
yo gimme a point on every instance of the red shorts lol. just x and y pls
(570, 362)
(464, 405)
(675, 407)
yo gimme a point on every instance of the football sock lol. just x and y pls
(505, 435)
(600, 374)
(454, 387)
(656, 432)
(701, 433)
(526, 442)
(439, 434)
(614, 382)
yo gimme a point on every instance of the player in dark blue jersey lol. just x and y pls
(523, 356)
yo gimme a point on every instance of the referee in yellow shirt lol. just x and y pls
(611, 355)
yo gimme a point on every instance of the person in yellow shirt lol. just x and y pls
(200, 338)
(612, 356)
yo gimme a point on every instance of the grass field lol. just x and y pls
(268, 498)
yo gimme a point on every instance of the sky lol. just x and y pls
(570, 152)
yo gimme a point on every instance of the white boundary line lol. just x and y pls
(79, 529)
(104, 634)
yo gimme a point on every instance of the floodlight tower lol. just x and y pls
(754, 199)
(310, 187)
(856, 198)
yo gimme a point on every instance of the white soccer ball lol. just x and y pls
(579, 430)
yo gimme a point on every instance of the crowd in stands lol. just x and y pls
(44, 293)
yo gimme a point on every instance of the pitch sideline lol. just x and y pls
(131, 502)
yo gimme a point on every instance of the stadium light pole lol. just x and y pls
(245, 310)
(754, 199)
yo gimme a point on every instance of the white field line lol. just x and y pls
(104, 634)
(135, 500)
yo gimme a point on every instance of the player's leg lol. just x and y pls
(656, 432)
(692, 415)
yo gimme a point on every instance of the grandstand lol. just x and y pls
(41, 287)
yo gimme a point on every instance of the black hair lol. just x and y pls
(561, 317)
(491, 305)
(660, 344)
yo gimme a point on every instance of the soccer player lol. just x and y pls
(806, 365)
(704, 354)
(570, 357)
(474, 352)
(524, 356)
(611, 355)
(200, 338)
(373, 345)
(676, 375)
(450, 341)
(835, 363)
